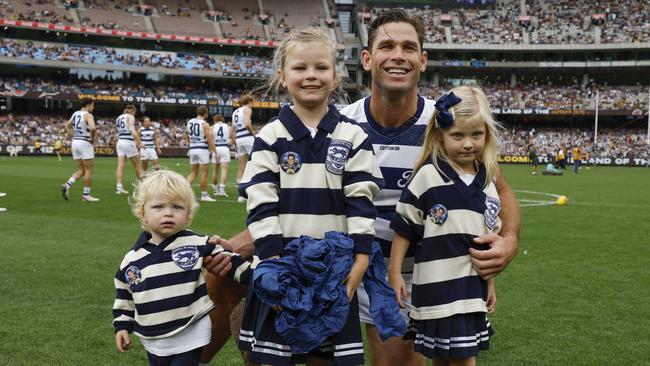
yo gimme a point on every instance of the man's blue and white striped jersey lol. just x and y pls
(238, 120)
(146, 136)
(81, 129)
(198, 139)
(160, 289)
(221, 134)
(298, 185)
(442, 214)
(123, 124)
(397, 150)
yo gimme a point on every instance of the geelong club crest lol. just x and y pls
(185, 257)
(337, 156)
(492, 208)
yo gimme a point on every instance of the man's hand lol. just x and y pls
(493, 261)
(219, 265)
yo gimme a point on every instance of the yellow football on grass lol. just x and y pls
(562, 200)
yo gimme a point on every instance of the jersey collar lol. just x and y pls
(446, 169)
(146, 236)
(393, 131)
(297, 129)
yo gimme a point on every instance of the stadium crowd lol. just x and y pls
(103, 55)
(616, 143)
(556, 97)
(501, 95)
(106, 4)
(46, 12)
(26, 129)
(545, 22)
(225, 96)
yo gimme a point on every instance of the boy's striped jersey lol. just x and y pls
(160, 289)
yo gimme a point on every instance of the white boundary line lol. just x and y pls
(617, 205)
(531, 202)
(541, 193)
(527, 203)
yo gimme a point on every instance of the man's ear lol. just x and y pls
(366, 58)
(423, 61)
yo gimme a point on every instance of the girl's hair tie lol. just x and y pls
(445, 118)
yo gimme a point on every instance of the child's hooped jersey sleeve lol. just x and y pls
(240, 270)
(260, 184)
(362, 180)
(409, 222)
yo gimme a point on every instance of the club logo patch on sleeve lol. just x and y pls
(492, 208)
(337, 156)
(438, 214)
(132, 276)
(185, 257)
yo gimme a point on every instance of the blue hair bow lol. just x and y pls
(444, 118)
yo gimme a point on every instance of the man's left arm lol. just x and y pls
(503, 246)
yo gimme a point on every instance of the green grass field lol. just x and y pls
(577, 294)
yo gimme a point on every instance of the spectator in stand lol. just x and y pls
(101, 55)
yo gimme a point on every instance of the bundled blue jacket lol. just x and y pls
(307, 282)
(384, 308)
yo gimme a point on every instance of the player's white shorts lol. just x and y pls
(364, 302)
(83, 150)
(148, 153)
(199, 157)
(126, 148)
(245, 146)
(224, 155)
